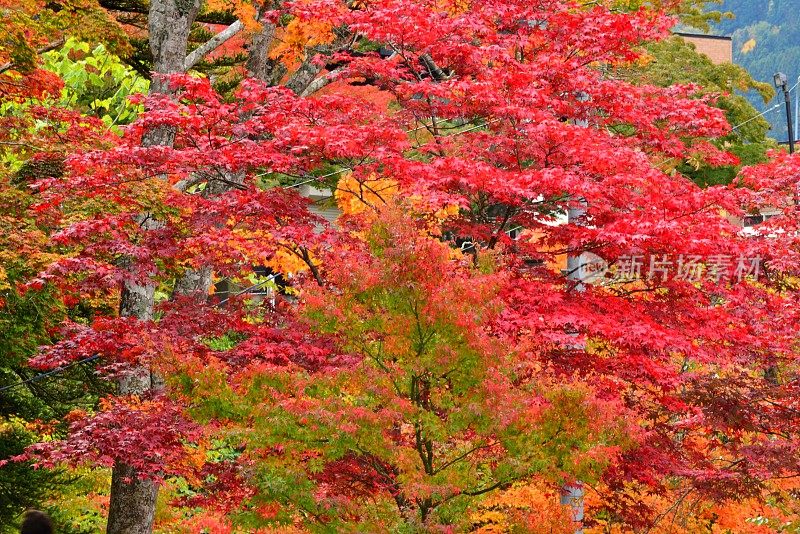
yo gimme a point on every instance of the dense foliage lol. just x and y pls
(674, 61)
(443, 358)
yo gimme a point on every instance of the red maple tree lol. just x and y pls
(431, 358)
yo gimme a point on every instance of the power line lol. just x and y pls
(345, 169)
(57, 370)
(314, 178)
(63, 368)
(776, 106)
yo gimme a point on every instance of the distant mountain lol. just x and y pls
(766, 39)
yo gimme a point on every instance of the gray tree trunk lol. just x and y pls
(132, 506)
(259, 65)
(302, 78)
(169, 23)
(197, 282)
(194, 282)
(133, 501)
(304, 75)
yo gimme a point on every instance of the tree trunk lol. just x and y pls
(259, 65)
(132, 504)
(194, 282)
(197, 282)
(133, 501)
(304, 75)
(169, 23)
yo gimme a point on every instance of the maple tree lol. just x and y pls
(674, 61)
(37, 132)
(420, 359)
(433, 411)
(33, 28)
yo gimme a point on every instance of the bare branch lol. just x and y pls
(212, 44)
(320, 82)
(46, 48)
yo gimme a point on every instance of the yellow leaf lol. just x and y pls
(4, 285)
(285, 261)
(299, 35)
(356, 196)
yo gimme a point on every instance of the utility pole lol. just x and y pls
(572, 494)
(796, 104)
(782, 82)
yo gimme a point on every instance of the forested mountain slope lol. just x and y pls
(766, 39)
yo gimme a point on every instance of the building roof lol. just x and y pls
(704, 36)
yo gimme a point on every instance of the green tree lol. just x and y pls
(675, 61)
(41, 121)
(96, 82)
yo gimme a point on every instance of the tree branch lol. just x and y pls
(319, 83)
(462, 456)
(46, 48)
(141, 7)
(481, 491)
(209, 46)
(433, 69)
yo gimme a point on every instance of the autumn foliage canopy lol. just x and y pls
(430, 361)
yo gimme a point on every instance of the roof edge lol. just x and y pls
(704, 36)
